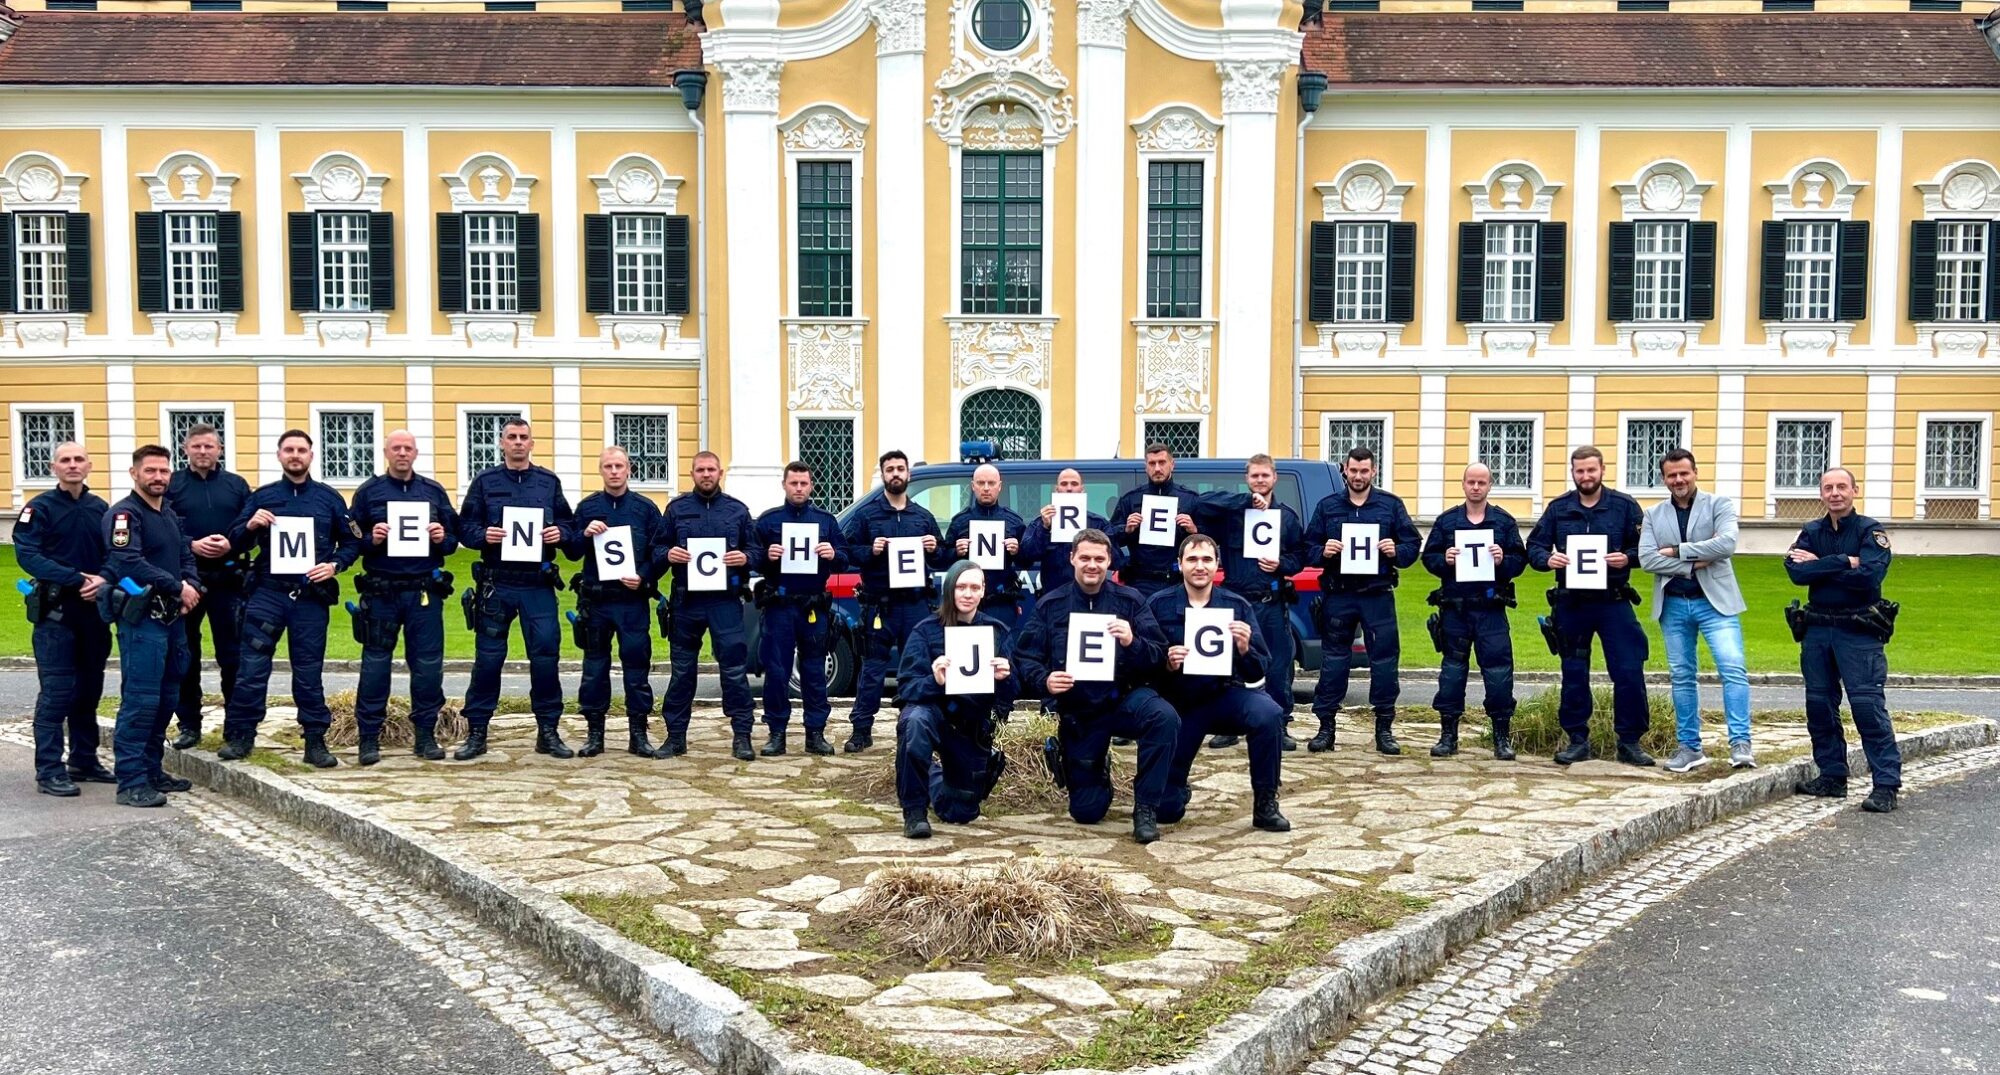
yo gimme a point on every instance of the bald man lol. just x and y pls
(1473, 614)
(58, 540)
(402, 592)
(1050, 558)
(989, 533)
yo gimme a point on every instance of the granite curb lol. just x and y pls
(1277, 1033)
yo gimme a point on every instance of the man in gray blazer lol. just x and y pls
(1686, 542)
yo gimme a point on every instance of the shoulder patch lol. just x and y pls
(27, 515)
(354, 526)
(1882, 538)
(121, 529)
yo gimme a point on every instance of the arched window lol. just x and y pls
(1011, 420)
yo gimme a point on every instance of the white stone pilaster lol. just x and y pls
(1584, 240)
(1729, 437)
(1582, 425)
(270, 417)
(116, 232)
(1886, 290)
(1878, 466)
(563, 232)
(416, 297)
(273, 297)
(1249, 191)
(1101, 220)
(1738, 245)
(420, 412)
(1430, 444)
(898, 133)
(756, 341)
(1437, 286)
(569, 429)
(122, 423)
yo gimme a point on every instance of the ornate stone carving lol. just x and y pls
(1177, 130)
(46, 331)
(1659, 343)
(477, 183)
(1173, 368)
(1662, 192)
(1964, 192)
(1959, 341)
(1513, 179)
(751, 85)
(43, 181)
(1360, 345)
(1102, 22)
(977, 76)
(998, 350)
(636, 186)
(1508, 340)
(1663, 188)
(492, 330)
(1251, 85)
(636, 181)
(189, 331)
(1968, 186)
(1959, 344)
(1364, 188)
(824, 130)
(997, 126)
(1809, 344)
(899, 26)
(340, 181)
(341, 184)
(38, 184)
(1817, 185)
(1509, 344)
(190, 177)
(1362, 194)
(345, 330)
(825, 365)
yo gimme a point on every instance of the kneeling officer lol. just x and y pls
(955, 729)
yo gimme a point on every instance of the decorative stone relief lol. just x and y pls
(1001, 351)
(1173, 368)
(1818, 186)
(825, 360)
(822, 129)
(178, 182)
(1508, 341)
(1655, 342)
(1969, 187)
(492, 330)
(1521, 189)
(750, 85)
(1664, 188)
(1808, 343)
(1102, 22)
(1027, 76)
(488, 181)
(642, 334)
(345, 330)
(1177, 130)
(1364, 188)
(1251, 85)
(340, 181)
(637, 182)
(1961, 342)
(999, 126)
(42, 181)
(899, 26)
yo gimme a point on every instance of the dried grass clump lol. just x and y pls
(396, 729)
(1024, 788)
(1030, 909)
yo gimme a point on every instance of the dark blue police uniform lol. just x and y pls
(58, 539)
(796, 614)
(1838, 652)
(1363, 602)
(1270, 596)
(718, 613)
(509, 590)
(1150, 568)
(405, 594)
(1579, 615)
(944, 742)
(887, 616)
(208, 505)
(278, 606)
(1218, 704)
(1003, 587)
(145, 544)
(609, 610)
(1050, 559)
(1473, 616)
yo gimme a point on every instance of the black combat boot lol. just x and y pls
(739, 747)
(164, 783)
(1577, 750)
(92, 772)
(1503, 738)
(474, 745)
(236, 749)
(1385, 739)
(317, 755)
(774, 744)
(1447, 744)
(917, 822)
(190, 736)
(1322, 742)
(858, 742)
(816, 742)
(1881, 800)
(548, 740)
(59, 785)
(1145, 824)
(1826, 787)
(1265, 815)
(1632, 754)
(638, 740)
(141, 797)
(426, 745)
(1221, 742)
(676, 744)
(370, 750)
(1285, 740)
(593, 736)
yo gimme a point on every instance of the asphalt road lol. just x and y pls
(1866, 945)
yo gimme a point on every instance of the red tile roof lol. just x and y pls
(1893, 50)
(348, 49)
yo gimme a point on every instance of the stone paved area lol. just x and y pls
(759, 860)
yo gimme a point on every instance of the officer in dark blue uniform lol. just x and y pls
(1003, 586)
(208, 498)
(1211, 703)
(1359, 601)
(294, 604)
(59, 542)
(707, 512)
(616, 609)
(402, 594)
(1473, 615)
(1576, 615)
(1150, 568)
(796, 610)
(1842, 558)
(1265, 583)
(945, 760)
(887, 615)
(1049, 558)
(151, 581)
(1090, 713)
(504, 589)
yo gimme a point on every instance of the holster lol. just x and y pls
(1550, 635)
(372, 630)
(440, 584)
(163, 608)
(227, 574)
(325, 592)
(1795, 618)
(1288, 591)
(591, 635)
(131, 609)
(1436, 627)
(44, 601)
(469, 601)
(664, 612)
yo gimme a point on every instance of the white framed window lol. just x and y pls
(492, 268)
(826, 443)
(648, 435)
(1955, 465)
(1361, 271)
(479, 426)
(1659, 266)
(1803, 447)
(1961, 269)
(347, 436)
(343, 262)
(194, 272)
(1350, 272)
(177, 418)
(639, 263)
(1345, 432)
(1184, 436)
(1511, 447)
(38, 429)
(1644, 440)
(1811, 248)
(1510, 271)
(41, 263)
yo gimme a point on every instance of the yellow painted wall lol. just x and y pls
(233, 151)
(1773, 155)
(605, 386)
(1918, 394)
(57, 384)
(1402, 152)
(80, 151)
(1346, 393)
(155, 383)
(382, 153)
(596, 151)
(453, 385)
(1622, 154)
(1546, 395)
(1925, 154)
(1764, 394)
(1653, 394)
(530, 153)
(1475, 152)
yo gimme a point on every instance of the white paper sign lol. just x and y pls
(971, 652)
(799, 540)
(906, 562)
(1210, 649)
(1156, 519)
(614, 554)
(409, 527)
(1072, 515)
(986, 543)
(521, 540)
(292, 551)
(1475, 555)
(1093, 653)
(1262, 528)
(706, 573)
(1587, 569)
(1359, 554)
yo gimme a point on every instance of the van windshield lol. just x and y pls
(1025, 488)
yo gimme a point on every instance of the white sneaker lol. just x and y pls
(1740, 756)
(1686, 759)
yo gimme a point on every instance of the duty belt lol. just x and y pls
(373, 584)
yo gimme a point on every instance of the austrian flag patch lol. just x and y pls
(121, 530)
(27, 515)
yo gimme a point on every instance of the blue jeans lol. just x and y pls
(272, 614)
(69, 664)
(535, 606)
(629, 623)
(419, 618)
(794, 634)
(152, 658)
(721, 618)
(1681, 619)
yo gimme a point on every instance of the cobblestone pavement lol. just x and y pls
(759, 861)
(1424, 1030)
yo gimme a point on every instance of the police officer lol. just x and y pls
(1089, 713)
(1150, 568)
(1841, 558)
(1265, 582)
(887, 615)
(1003, 589)
(208, 498)
(1222, 703)
(504, 589)
(59, 542)
(945, 760)
(1473, 615)
(796, 611)
(290, 603)
(616, 609)
(1577, 614)
(1363, 601)
(403, 594)
(150, 582)
(707, 512)
(1050, 558)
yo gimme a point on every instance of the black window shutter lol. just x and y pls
(1319, 287)
(1923, 270)
(1771, 281)
(6, 263)
(597, 263)
(1992, 271)
(1402, 300)
(229, 262)
(1618, 302)
(76, 260)
(1551, 271)
(381, 261)
(1471, 271)
(451, 262)
(680, 265)
(1701, 270)
(301, 236)
(1851, 278)
(149, 236)
(528, 261)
